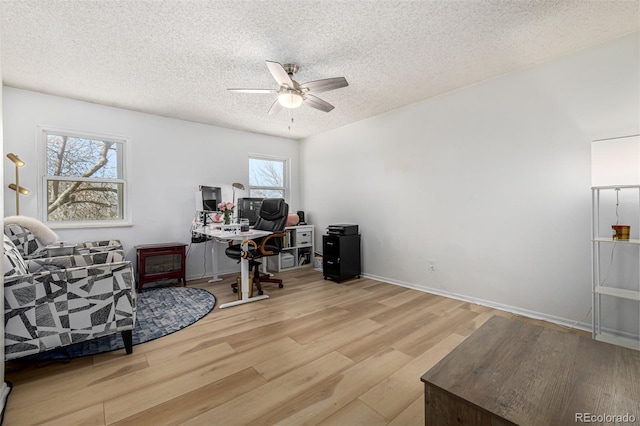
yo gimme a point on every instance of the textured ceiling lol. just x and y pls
(177, 58)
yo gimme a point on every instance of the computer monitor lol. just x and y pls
(207, 198)
(249, 208)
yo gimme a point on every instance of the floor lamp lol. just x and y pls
(16, 186)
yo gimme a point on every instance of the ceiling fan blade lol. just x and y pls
(317, 103)
(275, 108)
(253, 90)
(325, 85)
(278, 72)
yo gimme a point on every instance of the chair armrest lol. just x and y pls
(76, 260)
(94, 272)
(49, 263)
(98, 246)
(259, 247)
(262, 247)
(101, 243)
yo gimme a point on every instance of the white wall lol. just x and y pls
(170, 159)
(4, 389)
(491, 183)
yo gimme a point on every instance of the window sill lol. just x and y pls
(83, 225)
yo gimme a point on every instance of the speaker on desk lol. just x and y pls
(301, 216)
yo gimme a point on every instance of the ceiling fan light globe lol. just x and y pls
(290, 99)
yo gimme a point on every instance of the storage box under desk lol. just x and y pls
(287, 260)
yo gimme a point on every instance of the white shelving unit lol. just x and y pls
(615, 285)
(297, 250)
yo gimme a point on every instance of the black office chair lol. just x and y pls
(272, 217)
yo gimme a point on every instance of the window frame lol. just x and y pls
(124, 169)
(286, 178)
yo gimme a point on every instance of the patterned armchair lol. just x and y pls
(54, 302)
(98, 246)
(31, 237)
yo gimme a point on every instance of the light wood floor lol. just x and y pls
(316, 352)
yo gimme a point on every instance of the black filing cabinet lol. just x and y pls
(341, 256)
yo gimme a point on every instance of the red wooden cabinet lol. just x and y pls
(161, 262)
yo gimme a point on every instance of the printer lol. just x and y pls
(342, 229)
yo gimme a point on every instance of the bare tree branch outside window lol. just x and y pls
(267, 178)
(83, 179)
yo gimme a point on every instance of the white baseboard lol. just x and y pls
(209, 275)
(565, 322)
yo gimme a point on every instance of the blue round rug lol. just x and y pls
(159, 312)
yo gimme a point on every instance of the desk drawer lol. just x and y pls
(331, 266)
(330, 246)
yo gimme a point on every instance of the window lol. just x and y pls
(84, 180)
(268, 177)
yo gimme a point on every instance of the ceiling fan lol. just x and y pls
(291, 94)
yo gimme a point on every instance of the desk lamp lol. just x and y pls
(234, 186)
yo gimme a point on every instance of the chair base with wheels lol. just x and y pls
(257, 278)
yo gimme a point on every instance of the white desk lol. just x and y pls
(244, 263)
(205, 230)
(200, 229)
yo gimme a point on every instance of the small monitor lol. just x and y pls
(249, 208)
(211, 196)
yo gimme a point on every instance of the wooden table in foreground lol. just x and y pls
(512, 372)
